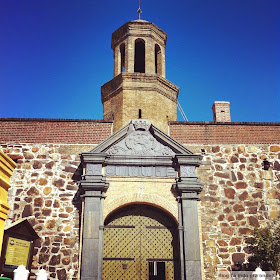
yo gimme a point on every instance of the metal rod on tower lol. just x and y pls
(139, 11)
(182, 112)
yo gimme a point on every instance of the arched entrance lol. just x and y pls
(140, 242)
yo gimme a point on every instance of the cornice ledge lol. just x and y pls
(93, 157)
(190, 185)
(191, 159)
(87, 185)
(116, 85)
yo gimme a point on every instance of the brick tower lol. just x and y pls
(139, 88)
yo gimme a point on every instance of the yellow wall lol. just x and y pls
(147, 190)
(7, 166)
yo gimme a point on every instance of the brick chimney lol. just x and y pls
(221, 111)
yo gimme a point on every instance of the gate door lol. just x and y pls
(140, 242)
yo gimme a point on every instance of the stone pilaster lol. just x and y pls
(188, 188)
(130, 55)
(117, 64)
(93, 185)
(163, 70)
(150, 56)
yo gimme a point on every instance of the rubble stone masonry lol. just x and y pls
(238, 196)
(43, 191)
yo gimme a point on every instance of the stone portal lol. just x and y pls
(164, 172)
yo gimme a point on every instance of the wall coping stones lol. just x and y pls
(225, 123)
(53, 120)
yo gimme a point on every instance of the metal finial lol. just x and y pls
(139, 11)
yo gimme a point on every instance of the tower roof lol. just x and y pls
(139, 28)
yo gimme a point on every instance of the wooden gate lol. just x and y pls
(140, 242)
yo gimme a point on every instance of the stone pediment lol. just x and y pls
(140, 138)
(140, 143)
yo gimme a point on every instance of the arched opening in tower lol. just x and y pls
(139, 56)
(158, 60)
(122, 51)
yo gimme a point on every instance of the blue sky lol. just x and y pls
(55, 55)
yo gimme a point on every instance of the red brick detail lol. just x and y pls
(225, 133)
(54, 131)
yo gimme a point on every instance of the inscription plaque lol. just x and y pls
(140, 171)
(17, 252)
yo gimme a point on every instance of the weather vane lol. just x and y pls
(139, 11)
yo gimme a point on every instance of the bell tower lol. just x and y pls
(139, 88)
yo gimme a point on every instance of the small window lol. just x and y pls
(139, 114)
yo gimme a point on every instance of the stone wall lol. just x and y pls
(42, 191)
(238, 195)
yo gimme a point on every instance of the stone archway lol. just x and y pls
(140, 242)
(158, 201)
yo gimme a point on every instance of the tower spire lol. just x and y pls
(139, 11)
